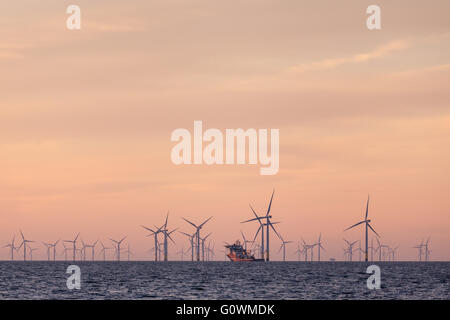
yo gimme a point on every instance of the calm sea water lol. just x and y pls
(224, 280)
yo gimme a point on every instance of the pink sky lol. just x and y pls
(86, 118)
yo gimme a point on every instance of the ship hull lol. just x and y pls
(236, 259)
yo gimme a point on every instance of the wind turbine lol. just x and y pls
(380, 248)
(307, 247)
(246, 241)
(360, 250)
(104, 250)
(160, 249)
(166, 245)
(24, 244)
(65, 251)
(261, 228)
(83, 250)
(319, 246)
(53, 245)
(191, 239)
(48, 250)
(12, 246)
(419, 247)
(129, 252)
(366, 221)
(346, 254)
(283, 246)
(166, 234)
(31, 252)
(268, 224)
(393, 251)
(118, 246)
(155, 234)
(211, 252)
(371, 249)
(427, 251)
(350, 248)
(92, 246)
(198, 228)
(299, 251)
(181, 252)
(74, 241)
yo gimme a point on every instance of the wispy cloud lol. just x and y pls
(440, 67)
(378, 52)
(123, 27)
(11, 50)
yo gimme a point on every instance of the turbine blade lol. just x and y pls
(270, 203)
(367, 207)
(354, 225)
(273, 228)
(257, 232)
(167, 217)
(205, 222)
(190, 222)
(373, 230)
(148, 229)
(257, 218)
(252, 220)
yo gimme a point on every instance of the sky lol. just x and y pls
(86, 118)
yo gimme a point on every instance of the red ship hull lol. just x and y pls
(232, 256)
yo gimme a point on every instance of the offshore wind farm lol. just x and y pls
(200, 246)
(197, 271)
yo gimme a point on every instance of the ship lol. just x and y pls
(238, 253)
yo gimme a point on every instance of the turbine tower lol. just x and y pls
(367, 223)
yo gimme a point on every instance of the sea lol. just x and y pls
(223, 280)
